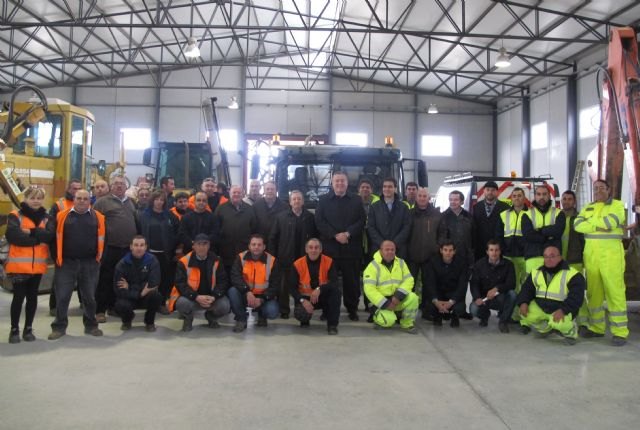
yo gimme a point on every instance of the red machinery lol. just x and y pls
(620, 120)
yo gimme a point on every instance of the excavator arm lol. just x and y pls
(618, 142)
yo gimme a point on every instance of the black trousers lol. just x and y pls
(329, 302)
(420, 269)
(105, 293)
(151, 302)
(167, 273)
(349, 268)
(24, 287)
(459, 309)
(284, 298)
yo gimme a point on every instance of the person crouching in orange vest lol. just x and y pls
(80, 232)
(201, 283)
(28, 238)
(254, 284)
(314, 285)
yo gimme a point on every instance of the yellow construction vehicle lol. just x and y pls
(44, 143)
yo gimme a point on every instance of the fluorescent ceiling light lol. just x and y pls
(503, 59)
(433, 109)
(192, 50)
(234, 103)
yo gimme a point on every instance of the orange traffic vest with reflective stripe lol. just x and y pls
(64, 204)
(256, 273)
(192, 202)
(27, 259)
(304, 278)
(193, 280)
(62, 217)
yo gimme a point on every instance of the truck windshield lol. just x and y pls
(171, 162)
(47, 135)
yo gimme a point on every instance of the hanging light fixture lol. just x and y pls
(433, 109)
(234, 103)
(503, 59)
(192, 50)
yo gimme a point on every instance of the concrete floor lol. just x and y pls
(286, 378)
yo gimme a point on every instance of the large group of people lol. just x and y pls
(222, 253)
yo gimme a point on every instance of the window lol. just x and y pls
(136, 138)
(539, 137)
(351, 139)
(77, 141)
(437, 146)
(589, 122)
(47, 135)
(229, 139)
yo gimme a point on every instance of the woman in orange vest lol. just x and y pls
(28, 240)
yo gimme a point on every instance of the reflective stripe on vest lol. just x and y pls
(193, 280)
(557, 288)
(27, 259)
(539, 220)
(509, 230)
(64, 204)
(256, 273)
(304, 277)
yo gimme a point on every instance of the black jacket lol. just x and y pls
(485, 226)
(447, 281)
(222, 280)
(137, 273)
(536, 240)
(265, 215)
(575, 296)
(282, 238)
(575, 247)
(194, 223)
(235, 226)
(166, 223)
(459, 229)
(336, 215)
(237, 280)
(384, 224)
(423, 238)
(485, 276)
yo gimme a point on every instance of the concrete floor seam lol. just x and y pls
(478, 395)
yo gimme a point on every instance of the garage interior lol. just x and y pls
(356, 72)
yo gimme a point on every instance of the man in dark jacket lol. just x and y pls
(551, 297)
(136, 279)
(456, 225)
(201, 283)
(543, 226)
(235, 221)
(493, 281)
(255, 280)
(389, 220)
(423, 241)
(290, 231)
(446, 285)
(198, 221)
(267, 208)
(340, 219)
(486, 215)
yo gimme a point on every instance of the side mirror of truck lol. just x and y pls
(423, 179)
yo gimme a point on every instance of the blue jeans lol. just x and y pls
(503, 303)
(270, 309)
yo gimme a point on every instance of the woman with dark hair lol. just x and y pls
(28, 239)
(160, 228)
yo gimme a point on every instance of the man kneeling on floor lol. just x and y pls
(313, 285)
(136, 279)
(551, 297)
(493, 281)
(201, 283)
(255, 281)
(388, 284)
(446, 287)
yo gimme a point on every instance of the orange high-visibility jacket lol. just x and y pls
(304, 278)
(256, 273)
(27, 259)
(62, 217)
(193, 280)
